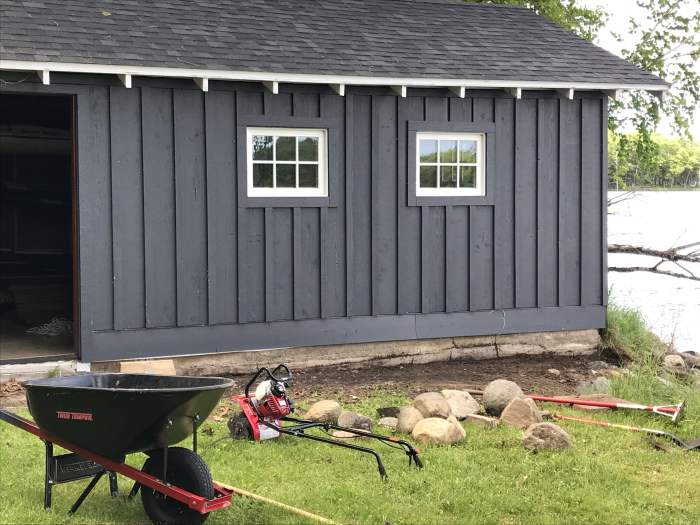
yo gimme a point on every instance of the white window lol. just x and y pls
(450, 164)
(287, 162)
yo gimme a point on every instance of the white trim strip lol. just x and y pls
(460, 91)
(294, 78)
(338, 88)
(567, 93)
(515, 92)
(401, 90)
(125, 80)
(44, 76)
(273, 86)
(203, 83)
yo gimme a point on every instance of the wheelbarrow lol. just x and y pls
(100, 418)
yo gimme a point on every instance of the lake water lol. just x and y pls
(659, 220)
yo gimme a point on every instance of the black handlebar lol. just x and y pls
(270, 375)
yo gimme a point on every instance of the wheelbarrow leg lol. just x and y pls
(113, 486)
(85, 492)
(48, 446)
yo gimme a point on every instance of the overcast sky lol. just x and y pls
(620, 12)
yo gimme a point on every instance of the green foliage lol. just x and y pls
(665, 162)
(627, 335)
(583, 21)
(667, 44)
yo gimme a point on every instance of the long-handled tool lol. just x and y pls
(265, 410)
(690, 445)
(672, 411)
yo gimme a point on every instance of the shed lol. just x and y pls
(203, 177)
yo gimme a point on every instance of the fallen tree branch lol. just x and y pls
(654, 269)
(673, 254)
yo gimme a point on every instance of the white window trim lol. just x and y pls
(320, 134)
(478, 191)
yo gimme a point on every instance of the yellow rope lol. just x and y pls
(289, 508)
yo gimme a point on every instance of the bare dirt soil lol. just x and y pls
(346, 383)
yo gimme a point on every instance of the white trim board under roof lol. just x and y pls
(399, 84)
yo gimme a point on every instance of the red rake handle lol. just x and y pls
(605, 404)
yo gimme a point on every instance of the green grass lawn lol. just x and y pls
(609, 476)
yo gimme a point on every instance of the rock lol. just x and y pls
(432, 404)
(521, 413)
(438, 431)
(600, 385)
(342, 434)
(482, 421)
(598, 365)
(692, 360)
(498, 394)
(461, 403)
(546, 436)
(354, 420)
(388, 412)
(326, 411)
(408, 417)
(674, 363)
(389, 422)
(554, 372)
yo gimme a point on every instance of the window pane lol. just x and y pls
(428, 150)
(467, 176)
(286, 148)
(448, 176)
(428, 176)
(286, 175)
(467, 151)
(448, 151)
(308, 148)
(262, 147)
(262, 175)
(308, 176)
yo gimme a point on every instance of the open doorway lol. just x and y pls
(36, 228)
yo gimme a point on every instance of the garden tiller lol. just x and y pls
(265, 411)
(100, 418)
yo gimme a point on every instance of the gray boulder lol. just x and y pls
(498, 394)
(408, 417)
(461, 403)
(674, 363)
(388, 422)
(600, 385)
(432, 404)
(481, 421)
(546, 436)
(354, 420)
(521, 413)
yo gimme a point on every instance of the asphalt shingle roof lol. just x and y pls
(379, 38)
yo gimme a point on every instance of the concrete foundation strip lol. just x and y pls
(284, 506)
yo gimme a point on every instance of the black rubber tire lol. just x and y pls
(186, 470)
(239, 427)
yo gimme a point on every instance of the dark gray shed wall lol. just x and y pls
(171, 264)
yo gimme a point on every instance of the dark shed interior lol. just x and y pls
(36, 276)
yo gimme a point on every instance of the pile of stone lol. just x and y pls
(435, 417)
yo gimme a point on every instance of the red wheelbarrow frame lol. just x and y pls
(193, 501)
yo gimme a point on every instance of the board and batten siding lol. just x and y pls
(172, 264)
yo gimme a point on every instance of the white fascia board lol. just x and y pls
(125, 80)
(613, 93)
(460, 91)
(296, 78)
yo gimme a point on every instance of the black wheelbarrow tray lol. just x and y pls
(101, 418)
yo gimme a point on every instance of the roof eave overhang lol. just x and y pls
(337, 82)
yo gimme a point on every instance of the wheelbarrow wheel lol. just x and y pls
(186, 470)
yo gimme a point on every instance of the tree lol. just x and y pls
(583, 21)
